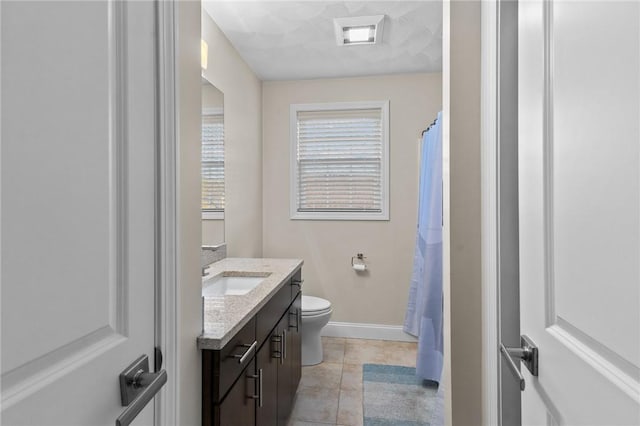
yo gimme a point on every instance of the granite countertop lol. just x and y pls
(224, 316)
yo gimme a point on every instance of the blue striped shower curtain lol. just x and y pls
(424, 309)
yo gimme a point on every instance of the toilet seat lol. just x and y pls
(312, 306)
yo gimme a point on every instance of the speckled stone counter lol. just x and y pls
(224, 316)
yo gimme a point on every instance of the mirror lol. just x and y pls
(213, 189)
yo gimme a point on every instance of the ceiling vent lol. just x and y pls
(358, 30)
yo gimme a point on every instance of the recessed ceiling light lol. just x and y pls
(359, 34)
(358, 30)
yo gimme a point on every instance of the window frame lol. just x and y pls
(294, 214)
(212, 214)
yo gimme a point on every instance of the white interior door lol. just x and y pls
(77, 207)
(579, 186)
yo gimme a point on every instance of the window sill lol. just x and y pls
(212, 215)
(344, 216)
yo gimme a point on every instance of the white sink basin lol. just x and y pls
(225, 285)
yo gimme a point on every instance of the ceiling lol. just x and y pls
(294, 40)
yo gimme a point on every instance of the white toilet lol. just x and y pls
(315, 315)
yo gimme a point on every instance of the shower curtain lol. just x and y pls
(424, 308)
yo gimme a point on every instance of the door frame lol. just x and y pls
(500, 298)
(166, 220)
(489, 210)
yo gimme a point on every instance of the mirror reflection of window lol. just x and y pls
(213, 164)
(212, 160)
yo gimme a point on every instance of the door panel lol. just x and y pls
(78, 137)
(579, 177)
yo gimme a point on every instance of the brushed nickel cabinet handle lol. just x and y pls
(243, 357)
(284, 346)
(259, 395)
(297, 326)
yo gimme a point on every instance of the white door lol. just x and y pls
(579, 186)
(77, 189)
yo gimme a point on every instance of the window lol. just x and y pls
(212, 164)
(339, 161)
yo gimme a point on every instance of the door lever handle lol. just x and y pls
(527, 353)
(137, 387)
(512, 366)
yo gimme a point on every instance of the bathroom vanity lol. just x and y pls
(251, 351)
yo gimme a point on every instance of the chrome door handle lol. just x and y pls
(527, 353)
(298, 283)
(512, 366)
(137, 387)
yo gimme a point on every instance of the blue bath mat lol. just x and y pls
(394, 396)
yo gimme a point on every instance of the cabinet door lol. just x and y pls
(267, 360)
(294, 353)
(285, 400)
(239, 406)
(289, 369)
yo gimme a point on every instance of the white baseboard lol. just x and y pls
(353, 330)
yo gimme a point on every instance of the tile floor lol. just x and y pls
(330, 393)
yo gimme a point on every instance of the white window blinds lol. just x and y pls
(212, 162)
(340, 160)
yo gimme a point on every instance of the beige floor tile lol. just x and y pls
(351, 377)
(350, 408)
(331, 393)
(326, 339)
(316, 405)
(400, 353)
(294, 422)
(333, 352)
(360, 351)
(404, 358)
(324, 375)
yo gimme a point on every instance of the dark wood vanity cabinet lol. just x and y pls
(289, 368)
(254, 378)
(238, 408)
(267, 360)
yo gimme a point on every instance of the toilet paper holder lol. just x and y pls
(358, 256)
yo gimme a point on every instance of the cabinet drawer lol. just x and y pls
(224, 366)
(271, 313)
